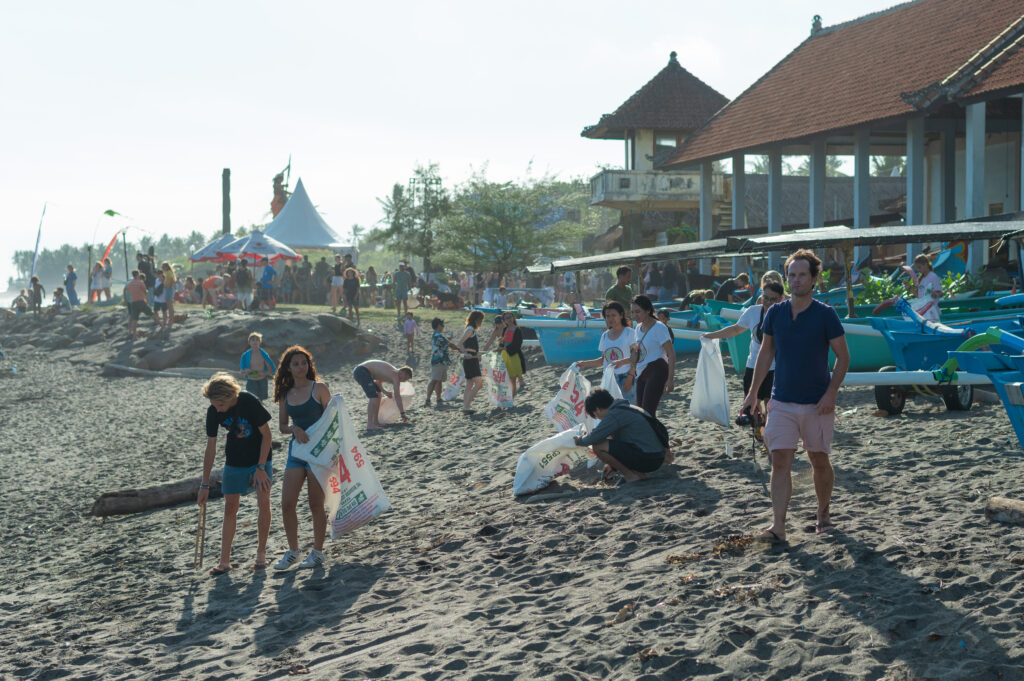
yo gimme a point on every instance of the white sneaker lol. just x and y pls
(314, 559)
(287, 560)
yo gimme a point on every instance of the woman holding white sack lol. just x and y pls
(614, 346)
(652, 360)
(752, 318)
(302, 399)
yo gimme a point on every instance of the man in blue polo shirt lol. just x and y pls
(798, 334)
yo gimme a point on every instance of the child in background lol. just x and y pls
(663, 317)
(410, 327)
(439, 360)
(256, 365)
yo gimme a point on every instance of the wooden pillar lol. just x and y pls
(816, 209)
(225, 188)
(739, 201)
(915, 180)
(706, 190)
(861, 187)
(974, 179)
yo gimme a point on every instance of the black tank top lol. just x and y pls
(306, 414)
(472, 343)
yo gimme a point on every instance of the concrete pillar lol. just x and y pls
(739, 200)
(706, 190)
(974, 179)
(775, 190)
(816, 209)
(948, 164)
(861, 187)
(915, 180)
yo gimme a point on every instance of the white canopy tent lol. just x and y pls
(299, 225)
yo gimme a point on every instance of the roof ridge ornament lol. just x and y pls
(816, 24)
(672, 57)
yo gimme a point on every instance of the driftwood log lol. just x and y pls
(1004, 510)
(149, 498)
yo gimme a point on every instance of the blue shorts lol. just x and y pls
(292, 462)
(366, 382)
(239, 479)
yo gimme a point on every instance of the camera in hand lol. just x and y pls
(748, 418)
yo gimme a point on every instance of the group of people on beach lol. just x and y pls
(787, 382)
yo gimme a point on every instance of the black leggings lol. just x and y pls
(650, 386)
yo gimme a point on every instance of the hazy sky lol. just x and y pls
(138, 106)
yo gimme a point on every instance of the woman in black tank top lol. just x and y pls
(301, 400)
(470, 346)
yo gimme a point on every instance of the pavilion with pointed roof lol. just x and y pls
(651, 124)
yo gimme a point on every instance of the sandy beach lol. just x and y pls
(655, 580)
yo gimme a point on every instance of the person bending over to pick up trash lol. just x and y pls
(370, 375)
(624, 439)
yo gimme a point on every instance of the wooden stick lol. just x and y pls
(200, 550)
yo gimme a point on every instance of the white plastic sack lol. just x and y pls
(566, 409)
(710, 401)
(454, 383)
(548, 459)
(499, 385)
(352, 493)
(609, 383)
(388, 412)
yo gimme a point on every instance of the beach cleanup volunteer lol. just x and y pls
(247, 460)
(798, 334)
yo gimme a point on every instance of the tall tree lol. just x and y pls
(503, 226)
(412, 216)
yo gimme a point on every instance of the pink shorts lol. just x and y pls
(788, 423)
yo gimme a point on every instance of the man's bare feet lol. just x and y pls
(824, 523)
(221, 569)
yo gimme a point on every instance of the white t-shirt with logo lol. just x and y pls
(614, 350)
(651, 345)
(748, 320)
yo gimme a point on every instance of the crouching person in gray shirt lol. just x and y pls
(624, 439)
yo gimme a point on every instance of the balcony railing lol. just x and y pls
(651, 187)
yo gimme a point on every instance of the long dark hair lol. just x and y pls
(645, 304)
(283, 380)
(474, 319)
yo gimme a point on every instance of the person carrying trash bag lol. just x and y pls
(627, 438)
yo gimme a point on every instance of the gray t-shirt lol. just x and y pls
(627, 424)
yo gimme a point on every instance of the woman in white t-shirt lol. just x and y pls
(653, 359)
(614, 346)
(929, 288)
(752, 318)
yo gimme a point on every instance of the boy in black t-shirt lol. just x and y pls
(247, 460)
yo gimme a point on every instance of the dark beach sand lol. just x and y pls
(462, 581)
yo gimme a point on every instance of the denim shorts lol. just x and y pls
(292, 462)
(240, 479)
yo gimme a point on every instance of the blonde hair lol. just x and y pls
(258, 336)
(922, 259)
(221, 387)
(772, 275)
